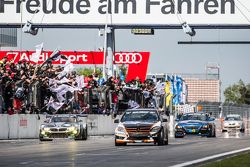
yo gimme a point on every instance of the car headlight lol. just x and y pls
(205, 126)
(72, 128)
(226, 124)
(46, 129)
(178, 127)
(121, 129)
(155, 129)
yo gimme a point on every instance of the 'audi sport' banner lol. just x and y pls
(137, 61)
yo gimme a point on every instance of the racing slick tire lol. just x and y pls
(242, 130)
(214, 134)
(160, 138)
(85, 134)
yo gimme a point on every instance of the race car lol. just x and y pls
(63, 126)
(142, 125)
(195, 123)
(233, 121)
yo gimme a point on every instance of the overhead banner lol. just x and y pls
(137, 61)
(125, 12)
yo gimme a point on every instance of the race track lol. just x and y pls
(100, 151)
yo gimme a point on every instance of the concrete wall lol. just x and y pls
(27, 126)
(100, 125)
(4, 128)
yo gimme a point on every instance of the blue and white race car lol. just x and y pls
(195, 123)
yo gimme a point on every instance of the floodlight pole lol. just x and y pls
(108, 67)
(109, 51)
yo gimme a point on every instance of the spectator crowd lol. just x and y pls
(27, 88)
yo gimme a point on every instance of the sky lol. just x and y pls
(167, 56)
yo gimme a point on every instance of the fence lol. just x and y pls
(218, 110)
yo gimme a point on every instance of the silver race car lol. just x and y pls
(64, 126)
(233, 121)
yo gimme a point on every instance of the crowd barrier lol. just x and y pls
(26, 126)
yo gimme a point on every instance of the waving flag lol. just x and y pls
(35, 56)
(55, 105)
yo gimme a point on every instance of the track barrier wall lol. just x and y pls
(26, 126)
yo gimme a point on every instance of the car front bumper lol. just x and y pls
(136, 138)
(63, 134)
(228, 128)
(200, 132)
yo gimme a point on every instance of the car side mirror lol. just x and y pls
(80, 121)
(177, 120)
(46, 121)
(116, 121)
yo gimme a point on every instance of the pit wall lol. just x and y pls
(27, 126)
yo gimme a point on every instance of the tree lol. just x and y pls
(238, 93)
(89, 71)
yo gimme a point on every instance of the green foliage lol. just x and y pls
(240, 160)
(123, 69)
(89, 71)
(238, 93)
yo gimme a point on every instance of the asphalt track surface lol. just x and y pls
(100, 151)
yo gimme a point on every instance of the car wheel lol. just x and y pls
(160, 138)
(214, 135)
(80, 135)
(85, 134)
(210, 133)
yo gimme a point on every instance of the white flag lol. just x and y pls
(55, 105)
(35, 56)
(80, 82)
(64, 80)
(68, 67)
(160, 87)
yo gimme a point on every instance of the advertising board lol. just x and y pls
(125, 12)
(137, 62)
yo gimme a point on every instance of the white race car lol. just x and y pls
(63, 126)
(233, 121)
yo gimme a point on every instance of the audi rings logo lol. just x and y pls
(128, 58)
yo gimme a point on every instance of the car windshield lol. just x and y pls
(232, 119)
(141, 116)
(200, 117)
(63, 119)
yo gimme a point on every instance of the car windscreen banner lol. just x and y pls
(137, 62)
